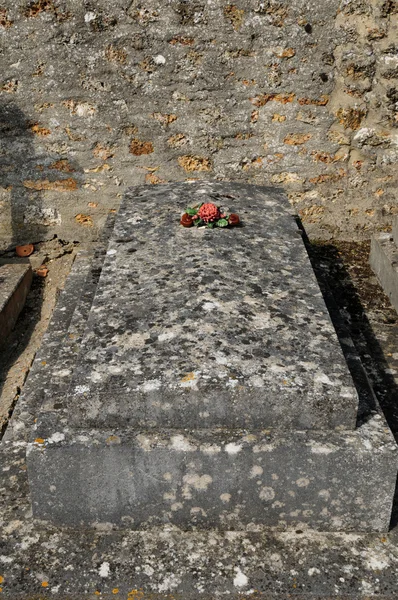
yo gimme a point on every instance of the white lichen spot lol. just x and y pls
(151, 385)
(111, 252)
(323, 378)
(198, 482)
(89, 16)
(325, 494)
(104, 569)
(56, 437)
(169, 583)
(181, 444)
(256, 471)
(148, 570)
(232, 383)
(303, 482)
(165, 337)
(176, 506)
(266, 493)
(313, 571)
(63, 373)
(233, 448)
(210, 306)
(240, 579)
(320, 449)
(210, 449)
(159, 60)
(82, 389)
(225, 498)
(167, 476)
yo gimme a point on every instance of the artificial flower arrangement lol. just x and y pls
(209, 215)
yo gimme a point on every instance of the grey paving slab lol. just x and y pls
(209, 328)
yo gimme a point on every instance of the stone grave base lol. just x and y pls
(217, 478)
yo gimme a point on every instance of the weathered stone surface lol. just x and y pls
(204, 328)
(15, 281)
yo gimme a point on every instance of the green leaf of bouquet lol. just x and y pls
(222, 223)
(210, 225)
(199, 222)
(191, 211)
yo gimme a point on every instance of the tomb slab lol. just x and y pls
(206, 327)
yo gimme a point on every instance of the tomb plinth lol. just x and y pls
(209, 388)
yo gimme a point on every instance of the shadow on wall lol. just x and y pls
(23, 218)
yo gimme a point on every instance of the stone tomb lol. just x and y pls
(209, 388)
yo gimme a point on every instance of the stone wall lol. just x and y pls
(99, 95)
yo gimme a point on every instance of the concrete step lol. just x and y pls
(15, 282)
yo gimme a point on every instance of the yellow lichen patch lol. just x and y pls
(350, 118)
(39, 441)
(176, 141)
(329, 177)
(297, 139)
(40, 131)
(1, 579)
(194, 163)
(62, 165)
(103, 152)
(85, 220)
(113, 439)
(284, 52)
(99, 169)
(4, 21)
(256, 163)
(135, 595)
(81, 109)
(312, 214)
(276, 118)
(263, 99)
(153, 179)
(114, 54)
(115, 591)
(235, 15)
(254, 116)
(138, 147)
(44, 584)
(322, 101)
(188, 377)
(97, 593)
(37, 7)
(164, 119)
(61, 185)
(179, 39)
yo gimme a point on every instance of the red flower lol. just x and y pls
(186, 220)
(233, 219)
(209, 212)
